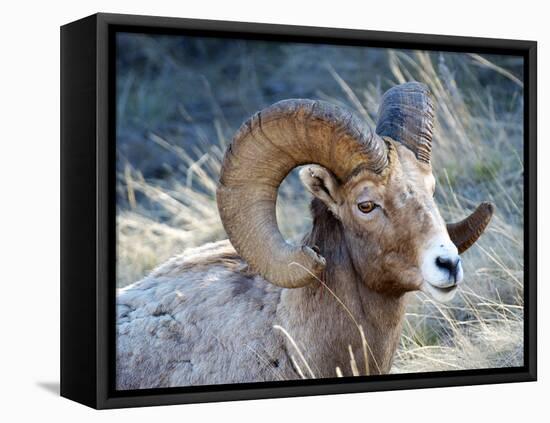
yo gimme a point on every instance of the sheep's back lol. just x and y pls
(200, 318)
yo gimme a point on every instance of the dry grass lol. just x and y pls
(477, 156)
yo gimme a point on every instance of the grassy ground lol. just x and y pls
(180, 101)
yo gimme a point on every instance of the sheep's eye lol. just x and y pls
(366, 206)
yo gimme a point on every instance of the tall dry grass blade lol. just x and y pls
(483, 61)
(364, 345)
(289, 337)
(353, 363)
(129, 186)
(297, 367)
(350, 94)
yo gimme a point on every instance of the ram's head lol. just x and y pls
(378, 185)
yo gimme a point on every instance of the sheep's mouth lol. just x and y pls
(444, 290)
(442, 294)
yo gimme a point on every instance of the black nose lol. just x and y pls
(450, 264)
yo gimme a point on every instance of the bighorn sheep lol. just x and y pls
(208, 316)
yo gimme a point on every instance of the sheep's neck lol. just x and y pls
(324, 317)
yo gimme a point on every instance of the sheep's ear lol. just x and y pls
(322, 184)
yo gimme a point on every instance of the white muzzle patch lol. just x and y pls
(441, 269)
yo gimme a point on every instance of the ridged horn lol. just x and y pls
(264, 150)
(466, 232)
(406, 114)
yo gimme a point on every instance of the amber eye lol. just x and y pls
(366, 206)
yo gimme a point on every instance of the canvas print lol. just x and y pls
(290, 211)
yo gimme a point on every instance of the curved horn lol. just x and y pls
(406, 114)
(265, 149)
(466, 232)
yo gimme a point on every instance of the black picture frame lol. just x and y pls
(88, 210)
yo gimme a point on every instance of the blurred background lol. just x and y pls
(180, 100)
